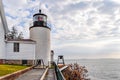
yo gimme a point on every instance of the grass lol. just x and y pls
(52, 67)
(7, 69)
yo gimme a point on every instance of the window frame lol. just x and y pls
(16, 47)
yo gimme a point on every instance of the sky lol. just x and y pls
(80, 29)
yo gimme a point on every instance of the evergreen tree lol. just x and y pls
(20, 36)
(14, 34)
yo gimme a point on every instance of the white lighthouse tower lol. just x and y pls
(40, 33)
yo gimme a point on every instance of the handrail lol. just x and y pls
(43, 75)
(59, 74)
(63, 68)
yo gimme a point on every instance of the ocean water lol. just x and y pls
(100, 69)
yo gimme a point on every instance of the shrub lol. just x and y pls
(75, 72)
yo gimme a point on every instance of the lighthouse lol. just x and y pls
(40, 33)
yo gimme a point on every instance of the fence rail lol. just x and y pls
(59, 74)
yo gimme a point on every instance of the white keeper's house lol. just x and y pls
(26, 51)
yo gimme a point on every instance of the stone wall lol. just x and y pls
(1, 61)
(13, 61)
(29, 62)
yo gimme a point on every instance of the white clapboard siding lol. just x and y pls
(3, 31)
(2, 42)
(26, 51)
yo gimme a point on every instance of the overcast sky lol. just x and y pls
(79, 28)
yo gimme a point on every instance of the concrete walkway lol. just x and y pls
(33, 74)
(50, 75)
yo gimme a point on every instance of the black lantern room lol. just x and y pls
(40, 19)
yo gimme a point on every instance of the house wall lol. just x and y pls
(26, 51)
(3, 31)
(2, 41)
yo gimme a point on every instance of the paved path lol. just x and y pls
(33, 74)
(50, 75)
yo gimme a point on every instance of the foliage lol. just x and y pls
(75, 72)
(20, 36)
(52, 67)
(14, 34)
(7, 69)
(61, 65)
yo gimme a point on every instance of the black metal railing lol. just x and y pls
(59, 74)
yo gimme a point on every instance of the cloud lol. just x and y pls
(89, 48)
(108, 7)
(75, 6)
(78, 19)
(88, 22)
(13, 3)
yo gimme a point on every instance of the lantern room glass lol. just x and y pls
(40, 18)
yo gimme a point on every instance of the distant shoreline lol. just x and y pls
(93, 59)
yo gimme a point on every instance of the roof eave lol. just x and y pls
(2, 13)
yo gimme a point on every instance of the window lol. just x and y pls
(40, 18)
(16, 47)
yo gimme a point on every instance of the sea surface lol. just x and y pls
(100, 69)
